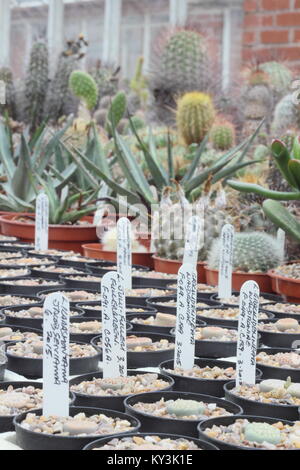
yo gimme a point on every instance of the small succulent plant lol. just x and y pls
(185, 408)
(262, 432)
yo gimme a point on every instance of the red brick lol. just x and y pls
(276, 4)
(252, 20)
(297, 35)
(268, 20)
(273, 37)
(289, 53)
(249, 37)
(297, 3)
(288, 19)
(250, 5)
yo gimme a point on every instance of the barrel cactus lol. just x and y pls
(286, 115)
(280, 77)
(253, 252)
(195, 116)
(84, 87)
(222, 135)
(262, 432)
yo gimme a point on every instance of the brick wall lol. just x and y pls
(272, 31)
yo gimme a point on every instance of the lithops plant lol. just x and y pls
(271, 384)
(80, 426)
(287, 324)
(164, 319)
(209, 332)
(181, 408)
(253, 252)
(294, 390)
(262, 432)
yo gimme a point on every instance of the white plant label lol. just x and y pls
(113, 326)
(56, 367)
(247, 334)
(41, 222)
(192, 241)
(155, 230)
(124, 256)
(281, 240)
(225, 264)
(186, 316)
(99, 214)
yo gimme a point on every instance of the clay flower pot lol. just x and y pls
(171, 266)
(61, 237)
(95, 250)
(288, 287)
(238, 279)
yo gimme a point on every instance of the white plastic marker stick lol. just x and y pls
(56, 334)
(124, 256)
(41, 222)
(155, 231)
(186, 317)
(192, 240)
(225, 264)
(247, 334)
(113, 326)
(281, 240)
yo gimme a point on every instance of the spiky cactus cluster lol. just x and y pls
(280, 77)
(262, 432)
(107, 81)
(36, 85)
(222, 135)
(286, 115)
(84, 87)
(10, 103)
(195, 116)
(253, 252)
(258, 97)
(180, 66)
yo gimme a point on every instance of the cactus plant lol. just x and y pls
(286, 115)
(182, 407)
(222, 135)
(84, 87)
(181, 65)
(36, 85)
(195, 116)
(10, 104)
(253, 252)
(116, 111)
(280, 77)
(107, 81)
(262, 432)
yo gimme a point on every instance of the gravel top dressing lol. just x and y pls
(9, 334)
(289, 270)
(14, 300)
(284, 325)
(88, 327)
(215, 333)
(283, 308)
(278, 392)
(78, 295)
(226, 314)
(5, 273)
(145, 344)
(211, 373)
(25, 261)
(32, 312)
(149, 443)
(159, 319)
(18, 400)
(287, 360)
(33, 349)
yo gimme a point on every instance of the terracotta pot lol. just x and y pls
(14, 214)
(61, 237)
(238, 279)
(95, 250)
(171, 266)
(289, 288)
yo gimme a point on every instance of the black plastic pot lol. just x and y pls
(158, 303)
(36, 302)
(91, 312)
(12, 278)
(13, 289)
(6, 422)
(13, 250)
(43, 293)
(100, 267)
(270, 298)
(201, 444)
(87, 337)
(75, 284)
(151, 282)
(33, 368)
(50, 256)
(138, 300)
(2, 318)
(144, 359)
(213, 349)
(221, 321)
(278, 372)
(37, 272)
(3, 364)
(278, 315)
(15, 245)
(252, 407)
(29, 440)
(78, 264)
(214, 387)
(278, 340)
(18, 266)
(226, 421)
(33, 322)
(188, 427)
(109, 402)
(22, 329)
(203, 295)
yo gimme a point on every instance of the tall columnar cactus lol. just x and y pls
(10, 103)
(222, 135)
(36, 85)
(195, 116)
(253, 252)
(181, 65)
(84, 87)
(280, 77)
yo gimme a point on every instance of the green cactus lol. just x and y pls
(261, 152)
(280, 76)
(181, 408)
(107, 82)
(195, 116)
(181, 65)
(253, 252)
(262, 432)
(116, 111)
(84, 87)
(222, 135)
(10, 105)
(286, 115)
(36, 85)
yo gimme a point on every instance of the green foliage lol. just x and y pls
(84, 87)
